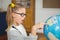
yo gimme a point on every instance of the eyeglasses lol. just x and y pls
(21, 14)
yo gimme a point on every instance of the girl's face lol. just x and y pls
(19, 15)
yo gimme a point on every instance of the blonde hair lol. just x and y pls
(10, 10)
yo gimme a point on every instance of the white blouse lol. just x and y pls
(13, 34)
(21, 29)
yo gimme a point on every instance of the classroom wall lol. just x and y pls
(5, 4)
(41, 14)
(0, 3)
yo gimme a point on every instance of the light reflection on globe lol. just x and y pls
(52, 28)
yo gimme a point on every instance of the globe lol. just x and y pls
(52, 28)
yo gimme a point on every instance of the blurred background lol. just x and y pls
(37, 11)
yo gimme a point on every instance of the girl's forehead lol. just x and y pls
(21, 10)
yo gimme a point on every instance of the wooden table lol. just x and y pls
(41, 36)
(3, 37)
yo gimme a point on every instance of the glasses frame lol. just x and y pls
(21, 14)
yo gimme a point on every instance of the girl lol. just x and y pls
(16, 31)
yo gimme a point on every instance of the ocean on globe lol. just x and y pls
(52, 28)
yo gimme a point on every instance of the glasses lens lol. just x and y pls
(22, 14)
